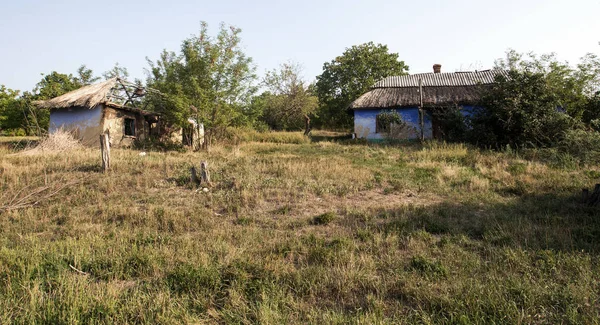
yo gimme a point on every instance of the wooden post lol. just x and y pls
(205, 175)
(194, 177)
(105, 151)
(421, 123)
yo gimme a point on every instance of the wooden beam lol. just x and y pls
(421, 122)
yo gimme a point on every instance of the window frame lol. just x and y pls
(129, 125)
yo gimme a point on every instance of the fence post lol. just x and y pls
(105, 151)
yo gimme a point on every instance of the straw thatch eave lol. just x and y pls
(409, 96)
(87, 96)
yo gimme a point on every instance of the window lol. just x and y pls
(380, 125)
(130, 127)
(385, 119)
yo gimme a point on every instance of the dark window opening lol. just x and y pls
(130, 127)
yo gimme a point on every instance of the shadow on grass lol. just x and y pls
(330, 136)
(18, 144)
(555, 222)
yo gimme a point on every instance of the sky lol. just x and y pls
(38, 37)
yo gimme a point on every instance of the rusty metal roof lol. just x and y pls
(446, 79)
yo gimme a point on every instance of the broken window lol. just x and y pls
(130, 127)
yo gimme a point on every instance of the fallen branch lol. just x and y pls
(77, 270)
(34, 197)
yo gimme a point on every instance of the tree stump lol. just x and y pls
(204, 179)
(105, 151)
(194, 176)
(591, 199)
(205, 175)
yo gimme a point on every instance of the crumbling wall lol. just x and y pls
(114, 123)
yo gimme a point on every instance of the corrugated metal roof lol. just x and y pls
(447, 79)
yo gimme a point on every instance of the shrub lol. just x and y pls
(521, 110)
(427, 267)
(56, 142)
(583, 145)
(452, 124)
(323, 219)
(393, 127)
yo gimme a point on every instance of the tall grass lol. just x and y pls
(300, 233)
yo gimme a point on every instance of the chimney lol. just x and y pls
(437, 68)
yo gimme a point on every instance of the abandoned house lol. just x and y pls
(110, 107)
(401, 94)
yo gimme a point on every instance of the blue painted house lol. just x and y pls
(401, 94)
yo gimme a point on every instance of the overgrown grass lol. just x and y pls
(250, 135)
(299, 233)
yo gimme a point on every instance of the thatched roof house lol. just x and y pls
(107, 106)
(401, 93)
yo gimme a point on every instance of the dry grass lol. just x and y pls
(299, 233)
(60, 141)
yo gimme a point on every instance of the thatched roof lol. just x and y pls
(87, 96)
(439, 89)
(108, 93)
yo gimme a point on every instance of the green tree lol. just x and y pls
(52, 85)
(85, 76)
(116, 71)
(210, 80)
(55, 84)
(572, 86)
(520, 110)
(290, 103)
(12, 117)
(349, 76)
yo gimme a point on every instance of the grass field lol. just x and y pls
(321, 233)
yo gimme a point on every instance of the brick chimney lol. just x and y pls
(437, 68)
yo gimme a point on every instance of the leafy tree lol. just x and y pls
(349, 76)
(55, 84)
(254, 114)
(85, 76)
(17, 110)
(210, 80)
(521, 110)
(52, 85)
(290, 104)
(116, 71)
(11, 112)
(572, 86)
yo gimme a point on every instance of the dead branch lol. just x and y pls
(77, 270)
(34, 197)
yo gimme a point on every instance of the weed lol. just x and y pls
(323, 219)
(413, 233)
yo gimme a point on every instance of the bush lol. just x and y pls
(323, 219)
(393, 127)
(583, 145)
(521, 110)
(427, 267)
(452, 124)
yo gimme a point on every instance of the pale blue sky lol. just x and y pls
(42, 36)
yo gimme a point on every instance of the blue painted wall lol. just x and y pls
(365, 119)
(85, 124)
